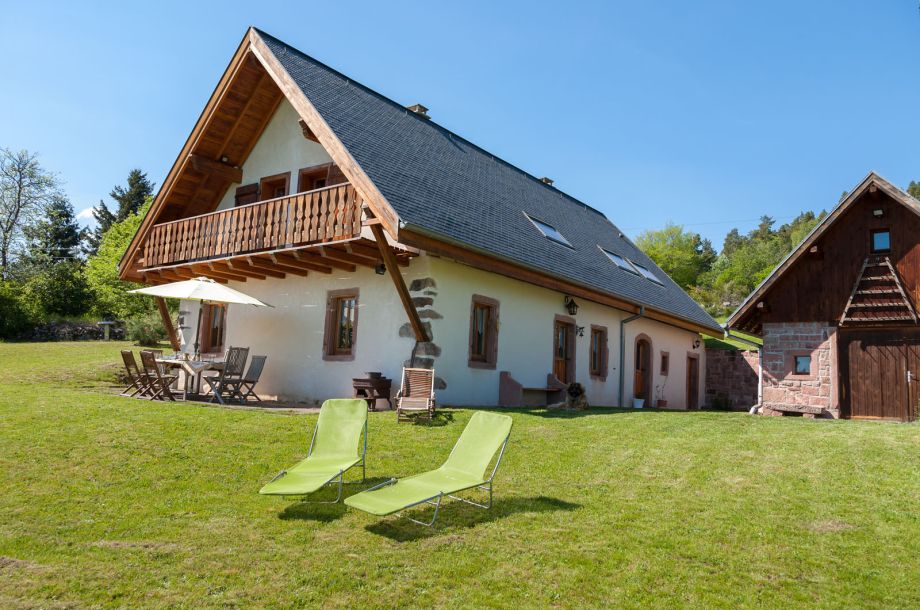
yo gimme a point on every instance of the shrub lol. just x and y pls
(59, 291)
(146, 330)
(14, 318)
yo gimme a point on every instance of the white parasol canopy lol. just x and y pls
(201, 289)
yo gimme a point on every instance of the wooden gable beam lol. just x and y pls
(309, 257)
(167, 323)
(389, 259)
(327, 138)
(240, 265)
(336, 254)
(210, 166)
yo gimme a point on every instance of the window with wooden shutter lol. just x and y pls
(246, 194)
(275, 186)
(341, 330)
(483, 345)
(597, 358)
(213, 327)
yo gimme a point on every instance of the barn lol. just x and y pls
(838, 316)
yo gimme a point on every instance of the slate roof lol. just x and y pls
(446, 186)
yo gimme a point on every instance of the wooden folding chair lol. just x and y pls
(159, 386)
(244, 387)
(140, 384)
(416, 396)
(232, 373)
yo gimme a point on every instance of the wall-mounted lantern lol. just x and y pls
(696, 343)
(571, 306)
(380, 269)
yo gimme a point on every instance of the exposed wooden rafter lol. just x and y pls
(389, 259)
(216, 168)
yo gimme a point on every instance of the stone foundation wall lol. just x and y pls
(731, 378)
(785, 391)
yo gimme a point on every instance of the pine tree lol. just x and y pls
(129, 201)
(56, 236)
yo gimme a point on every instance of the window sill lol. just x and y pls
(338, 357)
(481, 364)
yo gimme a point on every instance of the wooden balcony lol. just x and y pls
(322, 216)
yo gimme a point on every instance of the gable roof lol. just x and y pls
(422, 178)
(872, 179)
(444, 186)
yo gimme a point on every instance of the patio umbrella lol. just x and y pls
(200, 289)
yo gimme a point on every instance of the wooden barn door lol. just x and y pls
(879, 370)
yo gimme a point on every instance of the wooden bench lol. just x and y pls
(512, 393)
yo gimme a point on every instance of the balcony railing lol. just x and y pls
(324, 215)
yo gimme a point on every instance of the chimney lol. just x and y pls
(546, 180)
(419, 110)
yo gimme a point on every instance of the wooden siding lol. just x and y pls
(818, 285)
(320, 216)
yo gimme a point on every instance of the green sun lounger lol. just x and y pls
(333, 450)
(464, 469)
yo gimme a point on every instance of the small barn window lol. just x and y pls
(881, 240)
(802, 365)
(549, 231)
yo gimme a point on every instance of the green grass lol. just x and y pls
(112, 502)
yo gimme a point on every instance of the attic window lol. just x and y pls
(881, 241)
(620, 262)
(549, 231)
(647, 274)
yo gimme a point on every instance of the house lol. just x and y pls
(383, 239)
(838, 316)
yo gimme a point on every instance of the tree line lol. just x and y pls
(720, 281)
(50, 267)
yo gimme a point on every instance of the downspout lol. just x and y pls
(759, 348)
(623, 324)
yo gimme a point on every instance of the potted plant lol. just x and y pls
(660, 401)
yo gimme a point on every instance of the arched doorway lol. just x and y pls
(642, 384)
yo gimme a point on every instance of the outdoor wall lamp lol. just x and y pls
(696, 343)
(380, 269)
(580, 331)
(571, 306)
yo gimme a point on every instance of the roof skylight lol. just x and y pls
(549, 231)
(647, 274)
(620, 262)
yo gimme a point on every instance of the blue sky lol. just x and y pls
(707, 114)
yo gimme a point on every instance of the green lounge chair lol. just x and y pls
(333, 450)
(464, 469)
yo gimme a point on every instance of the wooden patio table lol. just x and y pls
(192, 370)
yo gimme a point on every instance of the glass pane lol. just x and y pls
(802, 365)
(549, 231)
(480, 330)
(620, 262)
(881, 241)
(646, 273)
(345, 317)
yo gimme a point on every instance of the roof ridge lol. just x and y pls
(431, 123)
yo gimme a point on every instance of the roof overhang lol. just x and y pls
(871, 181)
(252, 50)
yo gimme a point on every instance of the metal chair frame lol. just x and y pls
(340, 476)
(487, 486)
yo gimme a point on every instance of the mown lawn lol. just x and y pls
(108, 501)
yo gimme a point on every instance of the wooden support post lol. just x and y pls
(389, 259)
(167, 323)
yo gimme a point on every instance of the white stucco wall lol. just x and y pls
(291, 335)
(525, 340)
(282, 148)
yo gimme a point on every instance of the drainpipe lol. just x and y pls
(759, 348)
(623, 324)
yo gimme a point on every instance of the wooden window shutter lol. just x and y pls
(246, 194)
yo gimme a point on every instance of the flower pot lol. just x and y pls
(638, 403)
(662, 403)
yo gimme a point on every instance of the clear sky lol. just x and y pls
(704, 113)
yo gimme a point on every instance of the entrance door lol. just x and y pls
(563, 334)
(879, 370)
(642, 383)
(693, 382)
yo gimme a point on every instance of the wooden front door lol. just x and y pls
(642, 383)
(879, 374)
(563, 337)
(693, 382)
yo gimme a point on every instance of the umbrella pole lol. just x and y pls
(198, 331)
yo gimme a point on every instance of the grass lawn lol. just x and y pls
(109, 501)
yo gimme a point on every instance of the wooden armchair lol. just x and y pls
(416, 396)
